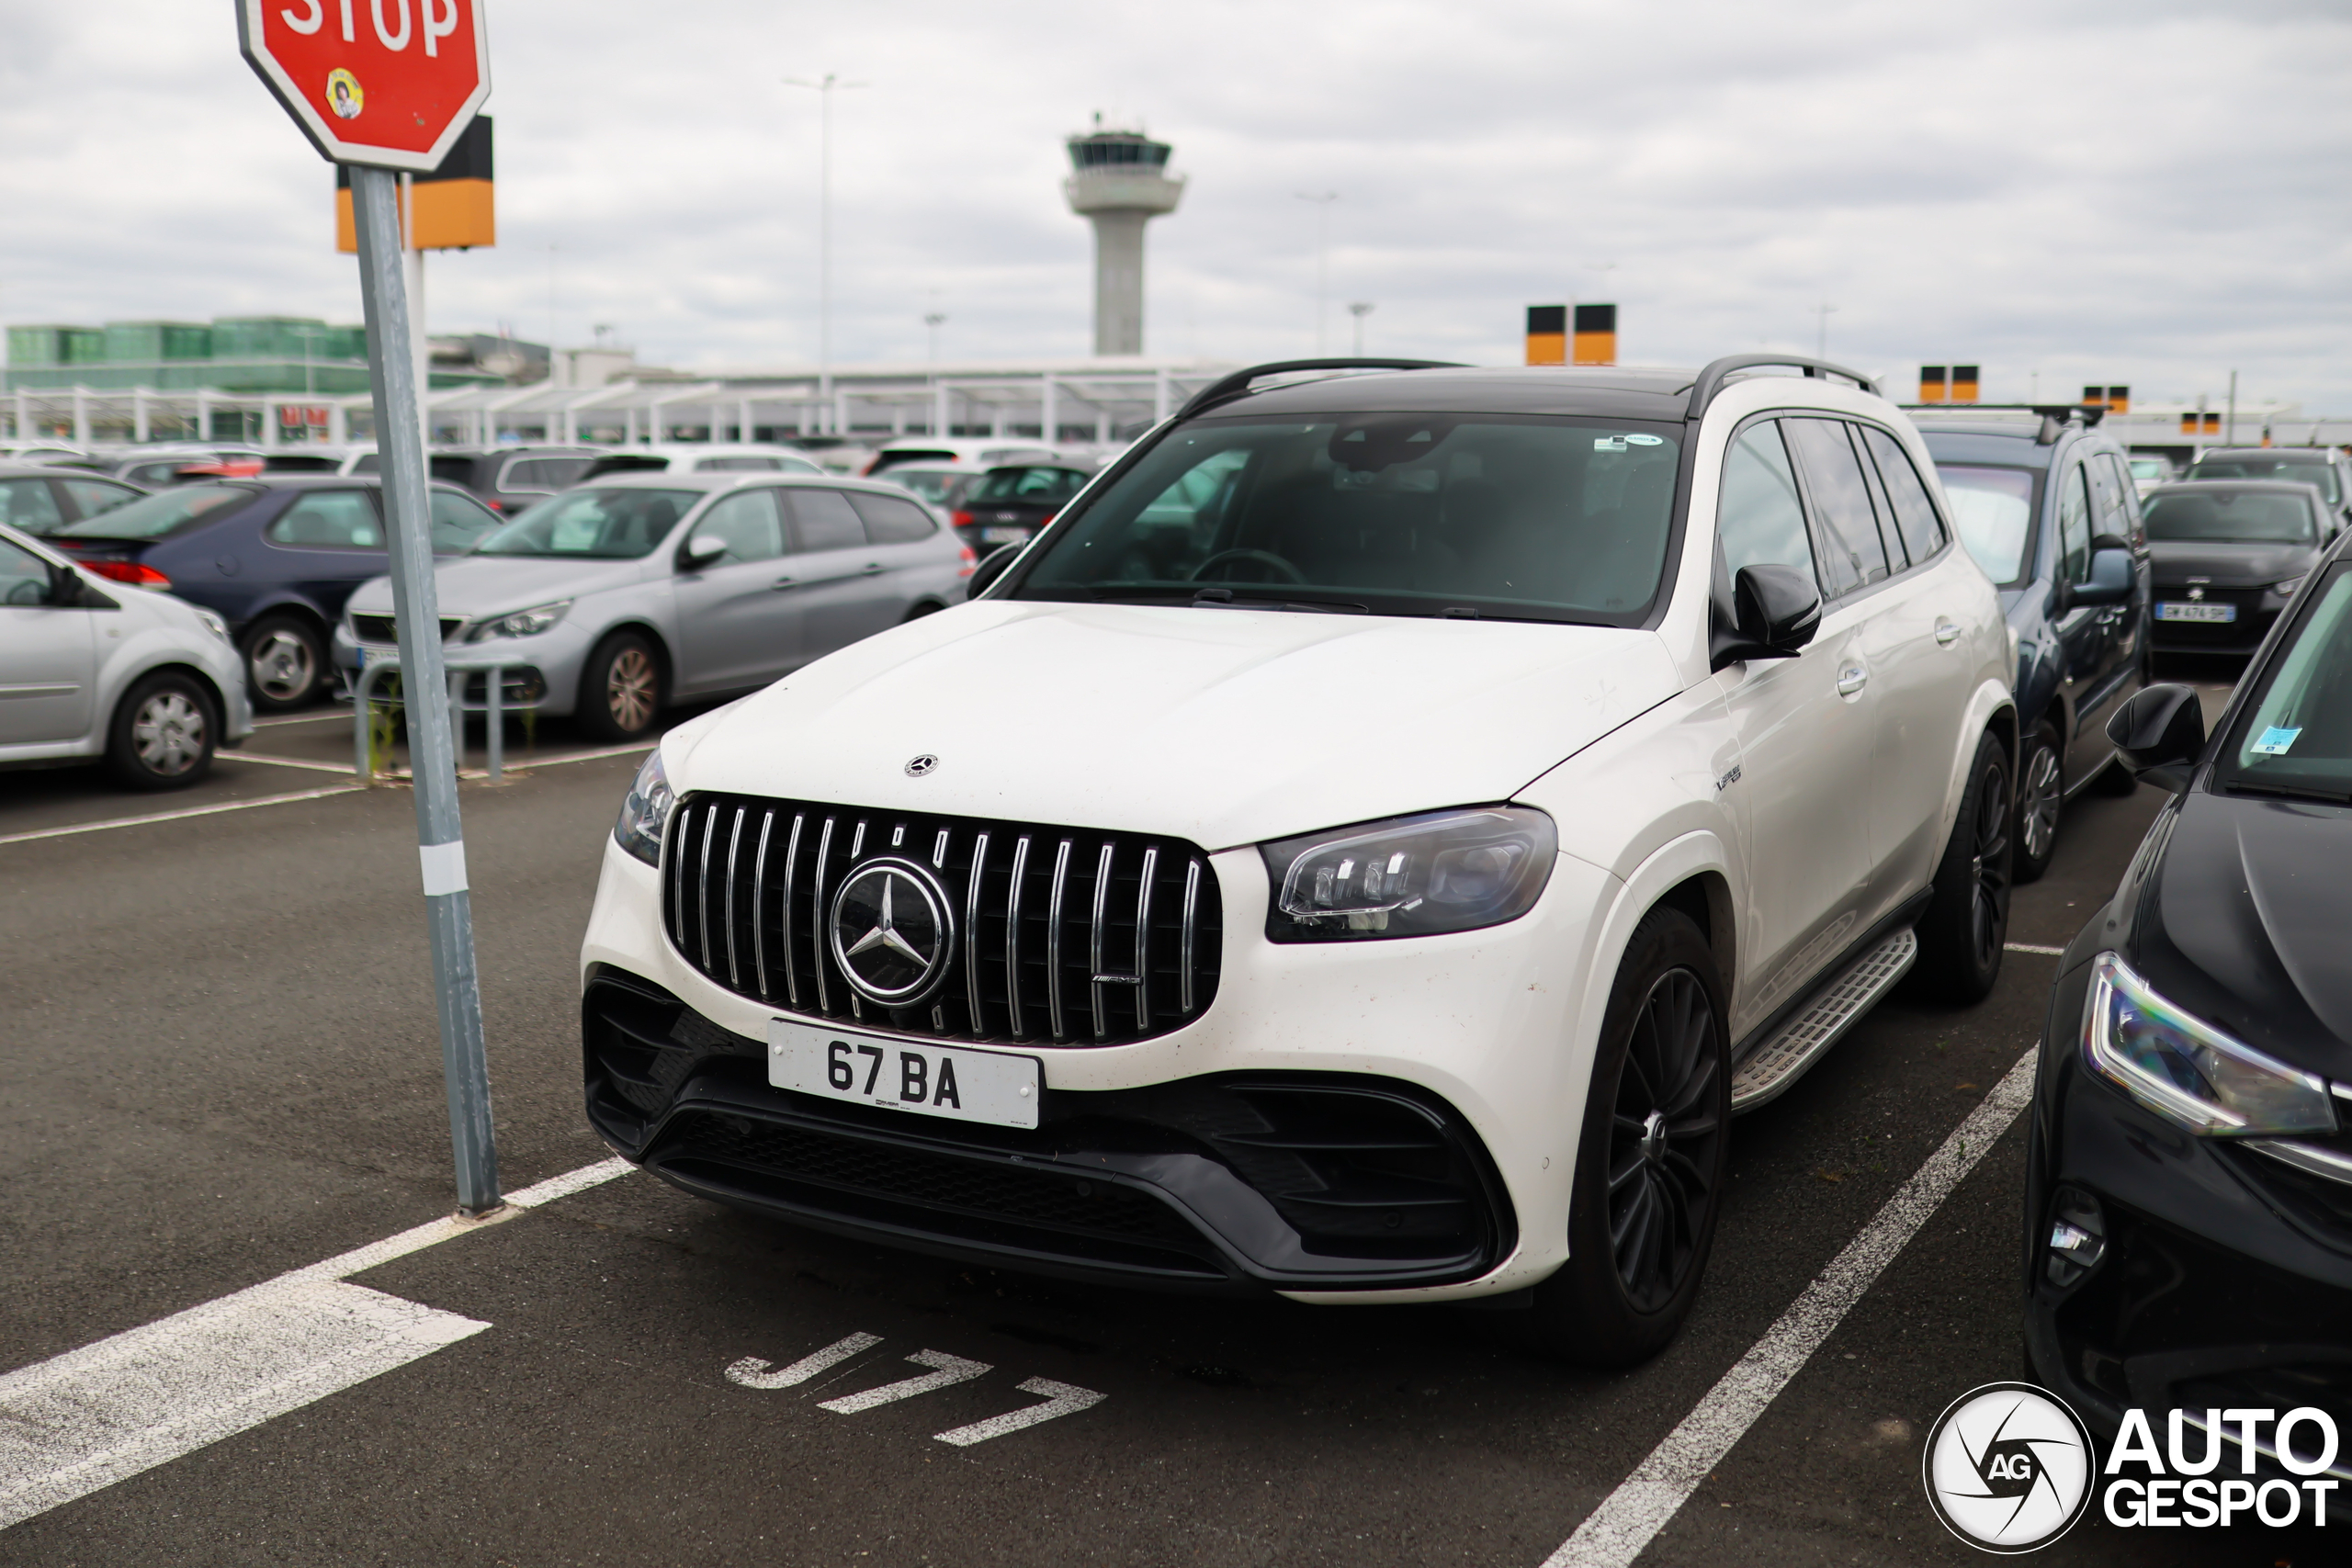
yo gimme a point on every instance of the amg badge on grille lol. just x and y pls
(893, 932)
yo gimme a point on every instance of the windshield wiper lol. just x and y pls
(2291, 791)
(1225, 599)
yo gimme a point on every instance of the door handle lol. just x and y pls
(873, 568)
(783, 582)
(1852, 678)
(1947, 632)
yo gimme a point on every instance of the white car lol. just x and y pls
(88, 669)
(1366, 848)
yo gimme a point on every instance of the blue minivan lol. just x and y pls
(275, 556)
(2043, 499)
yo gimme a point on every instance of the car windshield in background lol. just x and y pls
(1398, 514)
(2221, 516)
(931, 484)
(1028, 484)
(159, 515)
(2151, 469)
(2296, 738)
(1993, 508)
(2298, 470)
(602, 524)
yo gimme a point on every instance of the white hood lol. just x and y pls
(1223, 727)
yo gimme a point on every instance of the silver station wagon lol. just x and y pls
(609, 602)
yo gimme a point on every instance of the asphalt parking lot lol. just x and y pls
(224, 1068)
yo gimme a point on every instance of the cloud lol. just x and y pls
(2147, 194)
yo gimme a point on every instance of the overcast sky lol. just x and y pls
(2148, 193)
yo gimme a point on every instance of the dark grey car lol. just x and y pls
(2229, 556)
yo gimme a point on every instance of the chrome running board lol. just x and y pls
(1771, 1067)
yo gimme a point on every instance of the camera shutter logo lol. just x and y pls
(893, 932)
(2008, 1468)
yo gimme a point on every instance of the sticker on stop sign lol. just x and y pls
(384, 83)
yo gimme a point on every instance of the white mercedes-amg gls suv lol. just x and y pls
(1367, 847)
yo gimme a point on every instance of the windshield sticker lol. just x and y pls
(1647, 440)
(1609, 443)
(2275, 742)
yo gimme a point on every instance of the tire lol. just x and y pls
(1658, 1121)
(286, 663)
(1962, 934)
(2042, 798)
(620, 688)
(917, 612)
(163, 732)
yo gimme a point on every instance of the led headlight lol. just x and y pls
(522, 623)
(645, 810)
(1445, 870)
(2189, 1071)
(2287, 590)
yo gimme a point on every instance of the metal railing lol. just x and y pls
(493, 707)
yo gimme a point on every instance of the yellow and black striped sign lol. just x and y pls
(1596, 335)
(1547, 335)
(1963, 383)
(1932, 383)
(452, 208)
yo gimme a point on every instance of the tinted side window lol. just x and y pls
(1761, 522)
(2074, 526)
(1851, 556)
(737, 466)
(27, 504)
(1914, 514)
(459, 522)
(2110, 514)
(94, 496)
(890, 521)
(750, 524)
(329, 520)
(823, 520)
(453, 470)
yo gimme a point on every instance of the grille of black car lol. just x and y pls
(1063, 935)
(384, 630)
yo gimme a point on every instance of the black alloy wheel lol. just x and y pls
(1967, 922)
(1652, 1159)
(1663, 1162)
(2041, 797)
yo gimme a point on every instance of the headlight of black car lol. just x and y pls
(645, 810)
(2187, 1071)
(1444, 871)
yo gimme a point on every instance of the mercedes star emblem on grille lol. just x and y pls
(893, 932)
(918, 766)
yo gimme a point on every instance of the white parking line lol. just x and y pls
(343, 768)
(176, 816)
(84, 1420)
(1630, 1517)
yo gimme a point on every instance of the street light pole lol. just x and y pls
(1359, 309)
(824, 88)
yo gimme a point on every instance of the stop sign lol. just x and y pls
(384, 83)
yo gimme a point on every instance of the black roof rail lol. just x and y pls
(1237, 383)
(1712, 379)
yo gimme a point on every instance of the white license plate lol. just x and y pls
(2178, 612)
(905, 1075)
(1004, 536)
(370, 655)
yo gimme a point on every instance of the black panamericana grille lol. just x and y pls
(1063, 935)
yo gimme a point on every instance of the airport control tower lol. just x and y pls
(1119, 179)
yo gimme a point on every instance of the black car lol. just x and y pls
(2044, 501)
(2188, 1198)
(275, 556)
(506, 479)
(41, 499)
(1006, 505)
(2323, 468)
(2228, 557)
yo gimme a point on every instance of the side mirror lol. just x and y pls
(2111, 580)
(984, 575)
(2161, 733)
(700, 551)
(1778, 608)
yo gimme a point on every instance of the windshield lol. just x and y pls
(1029, 484)
(2296, 737)
(2221, 515)
(601, 524)
(2302, 470)
(1398, 514)
(155, 516)
(931, 484)
(1993, 508)
(2151, 469)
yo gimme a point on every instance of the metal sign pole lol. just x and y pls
(391, 373)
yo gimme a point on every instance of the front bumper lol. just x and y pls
(2227, 1277)
(1468, 1043)
(542, 672)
